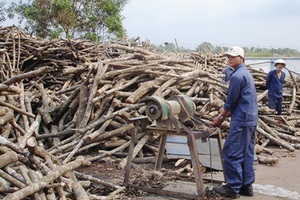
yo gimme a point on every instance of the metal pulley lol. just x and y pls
(156, 108)
(187, 106)
(179, 106)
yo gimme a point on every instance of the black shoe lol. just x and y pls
(226, 192)
(247, 191)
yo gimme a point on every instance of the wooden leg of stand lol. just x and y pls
(161, 151)
(129, 157)
(220, 145)
(196, 164)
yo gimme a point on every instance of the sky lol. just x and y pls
(247, 23)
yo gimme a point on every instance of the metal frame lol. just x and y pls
(172, 126)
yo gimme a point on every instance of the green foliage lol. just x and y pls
(205, 47)
(252, 51)
(89, 19)
(2, 11)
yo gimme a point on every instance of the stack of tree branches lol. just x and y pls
(63, 99)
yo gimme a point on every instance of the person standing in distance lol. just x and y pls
(238, 150)
(274, 83)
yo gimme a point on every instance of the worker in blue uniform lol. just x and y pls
(238, 150)
(274, 83)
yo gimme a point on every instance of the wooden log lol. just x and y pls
(2, 103)
(262, 95)
(14, 173)
(7, 130)
(59, 188)
(165, 86)
(104, 118)
(63, 109)
(96, 180)
(75, 149)
(39, 151)
(296, 146)
(144, 88)
(18, 128)
(11, 179)
(7, 117)
(96, 136)
(79, 192)
(289, 138)
(109, 144)
(269, 151)
(23, 107)
(9, 89)
(293, 80)
(34, 178)
(100, 92)
(29, 75)
(278, 141)
(63, 147)
(124, 85)
(33, 127)
(268, 129)
(13, 146)
(83, 98)
(136, 150)
(292, 105)
(114, 194)
(100, 71)
(42, 183)
(8, 158)
(3, 111)
(66, 132)
(265, 143)
(107, 153)
(276, 123)
(130, 49)
(267, 160)
(24, 172)
(4, 190)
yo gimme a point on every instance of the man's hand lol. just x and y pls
(218, 121)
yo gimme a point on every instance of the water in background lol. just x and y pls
(267, 64)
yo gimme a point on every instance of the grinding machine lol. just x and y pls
(174, 116)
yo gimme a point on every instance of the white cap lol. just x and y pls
(279, 61)
(235, 51)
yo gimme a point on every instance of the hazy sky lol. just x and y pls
(263, 23)
(260, 23)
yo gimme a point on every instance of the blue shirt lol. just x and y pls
(228, 73)
(274, 83)
(241, 98)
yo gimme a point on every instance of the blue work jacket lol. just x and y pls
(241, 98)
(274, 84)
(228, 73)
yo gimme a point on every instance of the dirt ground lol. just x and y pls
(280, 181)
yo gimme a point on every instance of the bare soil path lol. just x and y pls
(281, 181)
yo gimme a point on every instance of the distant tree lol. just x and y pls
(205, 47)
(170, 46)
(219, 49)
(90, 19)
(2, 11)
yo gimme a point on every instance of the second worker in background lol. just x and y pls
(274, 83)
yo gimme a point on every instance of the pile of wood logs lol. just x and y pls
(62, 98)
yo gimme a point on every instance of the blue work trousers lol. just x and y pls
(238, 154)
(275, 103)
